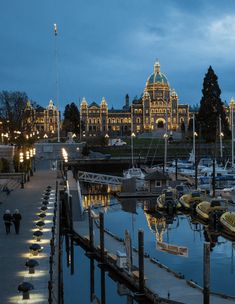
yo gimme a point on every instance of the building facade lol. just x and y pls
(157, 109)
(41, 120)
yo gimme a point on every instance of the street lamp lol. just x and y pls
(30, 164)
(21, 160)
(27, 163)
(34, 165)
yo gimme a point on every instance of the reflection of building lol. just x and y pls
(157, 225)
(149, 113)
(96, 200)
(40, 119)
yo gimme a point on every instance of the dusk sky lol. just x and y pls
(108, 47)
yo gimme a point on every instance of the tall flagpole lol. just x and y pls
(57, 82)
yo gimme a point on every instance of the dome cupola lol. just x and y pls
(157, 76)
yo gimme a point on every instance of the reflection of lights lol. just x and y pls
(42, 241)
(44, 229)
(30, 255)
(34, 298)
(26, 274)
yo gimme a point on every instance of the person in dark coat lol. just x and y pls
(7, 217)
(16, 220)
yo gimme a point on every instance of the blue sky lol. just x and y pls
(108, 47)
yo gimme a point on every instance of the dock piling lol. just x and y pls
(72, 255)
(91, 235)
(206, 273)
(101, 216)
(141, 260)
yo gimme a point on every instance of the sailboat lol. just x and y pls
(133, 171)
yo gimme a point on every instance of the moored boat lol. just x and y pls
(227, 220)
(190, 200)
(168, 200)
(211, 210)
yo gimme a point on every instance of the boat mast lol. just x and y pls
(232, 105)
(132, 138)
(166, 135)
(220, 138)
(194, 141)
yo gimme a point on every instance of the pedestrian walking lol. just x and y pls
(7, 217)
(16, 220)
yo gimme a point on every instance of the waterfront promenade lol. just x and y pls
(14, 249)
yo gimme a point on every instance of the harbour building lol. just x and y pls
(157, 109)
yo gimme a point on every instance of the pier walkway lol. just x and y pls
(14, 249)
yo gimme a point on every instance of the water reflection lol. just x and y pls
(95, 284)
(176, 241)
(183, 238)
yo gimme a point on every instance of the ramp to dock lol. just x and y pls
(97, 178)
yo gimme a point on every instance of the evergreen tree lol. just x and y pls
(211, 108)
(71, 118)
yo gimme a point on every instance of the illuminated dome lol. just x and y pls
(157, 76)
(84, 102)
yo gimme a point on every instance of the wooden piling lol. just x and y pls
(206, 273)
(91, 236)
(67, 249)
(103, 296)
(92, 279)
(101, 216)
(72, 255)
(141, 260)
(70, 214)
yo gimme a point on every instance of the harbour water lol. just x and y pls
(89, 284)
(180, 230)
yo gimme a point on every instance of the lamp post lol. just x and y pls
(30, 164)
(27, 164)
(132, 148)
(221, 134)
(34, 165)
(106, 139)
(21, 160)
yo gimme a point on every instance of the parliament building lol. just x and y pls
(157, 109)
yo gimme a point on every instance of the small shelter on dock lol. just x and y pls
(156, 181)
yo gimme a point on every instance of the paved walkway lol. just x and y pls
(14, 249)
